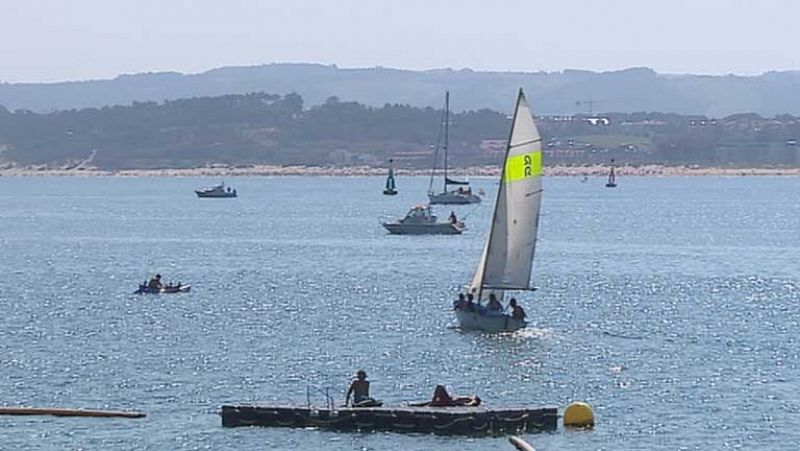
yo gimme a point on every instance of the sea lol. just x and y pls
(670, 305)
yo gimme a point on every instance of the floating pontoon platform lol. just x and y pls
(439, 420)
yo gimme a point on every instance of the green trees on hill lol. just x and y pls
(265, 128)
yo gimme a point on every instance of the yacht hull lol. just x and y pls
(215, 195)
(444, 228)
(453, 199)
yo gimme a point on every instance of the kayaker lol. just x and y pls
(155, 283)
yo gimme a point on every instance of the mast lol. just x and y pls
(497, 199)
(446, 125)
(436, 154)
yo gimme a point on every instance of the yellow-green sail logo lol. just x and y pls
(520, 167)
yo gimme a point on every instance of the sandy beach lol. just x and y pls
(351, 171)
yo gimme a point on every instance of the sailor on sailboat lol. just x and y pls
(507, 258)
(462, 194)
(390, 188)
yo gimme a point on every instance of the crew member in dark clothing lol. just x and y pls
(517, 312)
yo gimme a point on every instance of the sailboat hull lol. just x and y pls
(453, 198)
(474, 320)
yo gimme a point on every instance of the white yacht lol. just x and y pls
(218, 191)
(420, 220)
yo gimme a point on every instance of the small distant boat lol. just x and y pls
(612, 179)
(421, 221)
(216, 191)
(166, 289)
(390, 190)
(463, 194)
(507, 259)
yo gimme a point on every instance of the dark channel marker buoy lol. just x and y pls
(65, 412)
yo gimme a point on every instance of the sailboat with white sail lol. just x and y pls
(461, 195)
(507, 259)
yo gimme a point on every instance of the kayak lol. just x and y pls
(169, 289)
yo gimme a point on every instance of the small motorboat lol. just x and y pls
(166, 289)
(216, 191)
(421, 221)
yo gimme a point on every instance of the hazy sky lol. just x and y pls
(43, 40)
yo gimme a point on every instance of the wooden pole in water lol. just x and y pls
(65, 412)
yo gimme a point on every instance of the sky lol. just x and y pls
(53, 40)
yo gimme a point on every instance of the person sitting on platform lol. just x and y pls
(359, 388)
(494, 305)
(517, 312)
(155, 283)
(443, 399)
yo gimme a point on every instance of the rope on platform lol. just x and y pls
(452, 423)
(319, 421)
(515, 420)
(404, 426)
(481, 428)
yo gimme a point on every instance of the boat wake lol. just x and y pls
(533, 333)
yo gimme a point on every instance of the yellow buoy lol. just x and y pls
(578, 414)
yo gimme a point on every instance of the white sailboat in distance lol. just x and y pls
(461, 195)
(507, 259)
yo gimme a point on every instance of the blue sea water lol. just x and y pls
(669, 304)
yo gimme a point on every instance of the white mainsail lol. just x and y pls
(507, 259)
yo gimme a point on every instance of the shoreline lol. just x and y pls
(359, 171)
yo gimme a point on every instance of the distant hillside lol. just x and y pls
(622, 91)
(258, 128)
